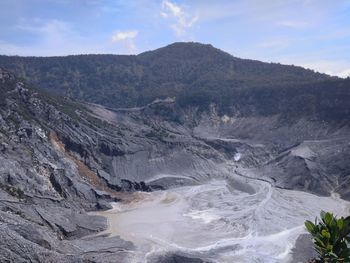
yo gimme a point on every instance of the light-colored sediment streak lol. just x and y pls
(219, 222)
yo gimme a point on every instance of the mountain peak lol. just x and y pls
(190, 44)
(187, 50)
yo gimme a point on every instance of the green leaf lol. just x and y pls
(333, 255)
(319, 242)
(309, 226)
(326, 234)
(328, 218)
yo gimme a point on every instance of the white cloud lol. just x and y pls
(126, 39)
(173, 8)
(182, 20)
(124, 35)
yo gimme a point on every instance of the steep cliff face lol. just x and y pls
(44, 189)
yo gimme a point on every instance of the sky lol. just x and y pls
(310, 33)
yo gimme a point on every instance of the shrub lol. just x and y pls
(331, 237)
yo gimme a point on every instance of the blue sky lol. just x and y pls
(310, 33)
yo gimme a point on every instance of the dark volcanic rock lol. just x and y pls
(44, 190)
(175, 258)
(103, 205)
(304, 250)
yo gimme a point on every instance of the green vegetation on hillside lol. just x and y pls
(193, 73)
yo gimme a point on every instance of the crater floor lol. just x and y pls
(218, 221)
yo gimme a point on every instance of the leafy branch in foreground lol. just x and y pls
(331, 237)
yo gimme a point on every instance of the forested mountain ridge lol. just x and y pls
(192, 72)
